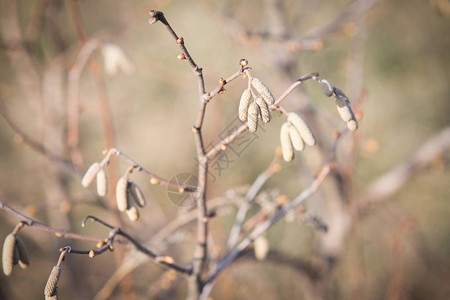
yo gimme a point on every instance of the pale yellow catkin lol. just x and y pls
(326, 87)
(302, 128)
(9, 246)
(243, 104)
(352, 125)
(344, 111)
(253, 113)
(132, 211)
(261, 247)
(102, 183)
(90, 174)
(264, 108)
(24, 259)
(137, 194)
(296, 139)
(52, 282)
(121, 193)
(286, 143)
(263, 90)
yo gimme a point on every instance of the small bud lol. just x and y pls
(153, 180)
(102, 183)
(326, 87)
(265, 112)
(24, 259)
(243, 62)
(253, 113)
(90, 174)
(223, 147)
(302, 128)
(261, 247)
(121, 193)
(222, 81)
(244, 104)
(222, 91)
(180, 41)
(9, 246)
(263, 90)
(181, 190)
(168, 260)
(137, 194)
(105, 151)
(58, 234)
(50, 287)
(286, 143)
(296, 139)
(181, 56)
(100, 244)
(91, 253)
(282, 199)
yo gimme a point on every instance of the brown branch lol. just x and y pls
(273, 167)
(200, 251)
(326, 168)
(41, 226)
(35, 145)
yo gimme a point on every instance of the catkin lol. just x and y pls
(344, 111)
(9, 246)
(243, 104)
(132, 211)
(296, 139)
(137, 194)
(24, 259)
(264, 108)
(263, 90)
(261, 247)
(302, 128)
(253, 113)
(352, 125)
(102, 183)
(50, 287)
(121, 193)
(340, 94)
(54, 297)
(286, 143)
(90, 174)
(326, 87)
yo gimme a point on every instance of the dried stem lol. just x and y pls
(284, 209)
(249, 197)
(41, 226)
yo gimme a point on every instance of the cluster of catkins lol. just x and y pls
(14, 252)
(255, 105)
(128, 194)
(295, 133)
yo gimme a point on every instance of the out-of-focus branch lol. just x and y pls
(238, 250)
(352, 11)
(35, 145)
(273, 167)
(74, 98)
(41, 226)
(389, 183)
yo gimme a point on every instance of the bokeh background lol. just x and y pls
(391, 58)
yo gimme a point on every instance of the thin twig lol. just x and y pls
(269, 222)
(41, 226)
(273, 167)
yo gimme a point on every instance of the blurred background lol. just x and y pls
(386, 204)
